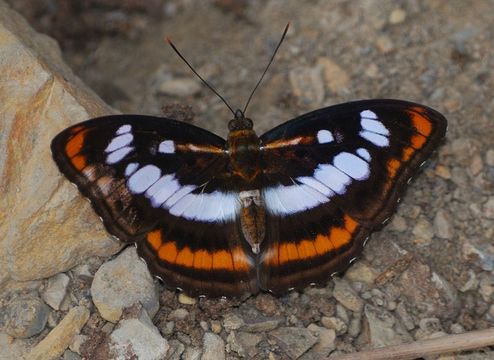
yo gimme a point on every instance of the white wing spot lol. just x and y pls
(119, 142)
(118, 155)
(324, 136)
(124, 129)
(364, 154)
(208, 207)
(332, 177)
(178, 195)
(162, 189)
(376, 139)
(316, 185)
(283, 200)
(129, 170)
(374, 126)
(368, 114)
(167, 147)
(352, 165)
(143, 178)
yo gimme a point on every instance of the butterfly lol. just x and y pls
(224, 217)
(274, 212)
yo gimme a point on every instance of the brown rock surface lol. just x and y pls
(45, 226)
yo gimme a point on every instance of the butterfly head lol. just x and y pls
(240, 122)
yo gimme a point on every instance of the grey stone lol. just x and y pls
(471, 283)
(261, 325)
(486, 286)
(69, 355)
(335, 77)
(332, 322)
(293, 341)
(383, 328)
(476, 164)
(307, 85)
(442, 225)
(25, 316)
(482, 254)
(325, 339)
(489, 208)
(122, 282)
(248, 342)
(55, 290)
(427, 327)
(489, 157)
(243, 343)
(404, 316)
(137, 337)
(213, 347)
(355, 325)
(11, 349)
(176, 350)
(192, 353)
(232, 321)
(423, 229)
(361, 272)
(178, 314)
(347, 296)
(76, 343)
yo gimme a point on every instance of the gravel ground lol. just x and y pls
(429, 272)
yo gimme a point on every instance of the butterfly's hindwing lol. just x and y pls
(348, 163)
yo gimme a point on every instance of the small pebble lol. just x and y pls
(335, 77)
(332, 322)
(186, 300)
(25, 316)
(294, 341)
(213, 347)
(179, 87)
(476, 165)
(346, 296)
(443, 171)
(178, 314)
(397, 16)
(442, 225)
(55, 290)
(216, 326)
(384, 44)
(307, 85)
(398, 223)
(423, 229)
(489, 208)
(489, 157)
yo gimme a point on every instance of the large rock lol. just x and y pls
(45, 225)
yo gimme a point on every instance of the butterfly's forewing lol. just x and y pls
(162, 184)
(331, 177)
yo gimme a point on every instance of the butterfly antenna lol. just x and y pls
(267, 67)
(169, 41)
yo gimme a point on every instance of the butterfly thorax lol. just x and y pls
(243, 147)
